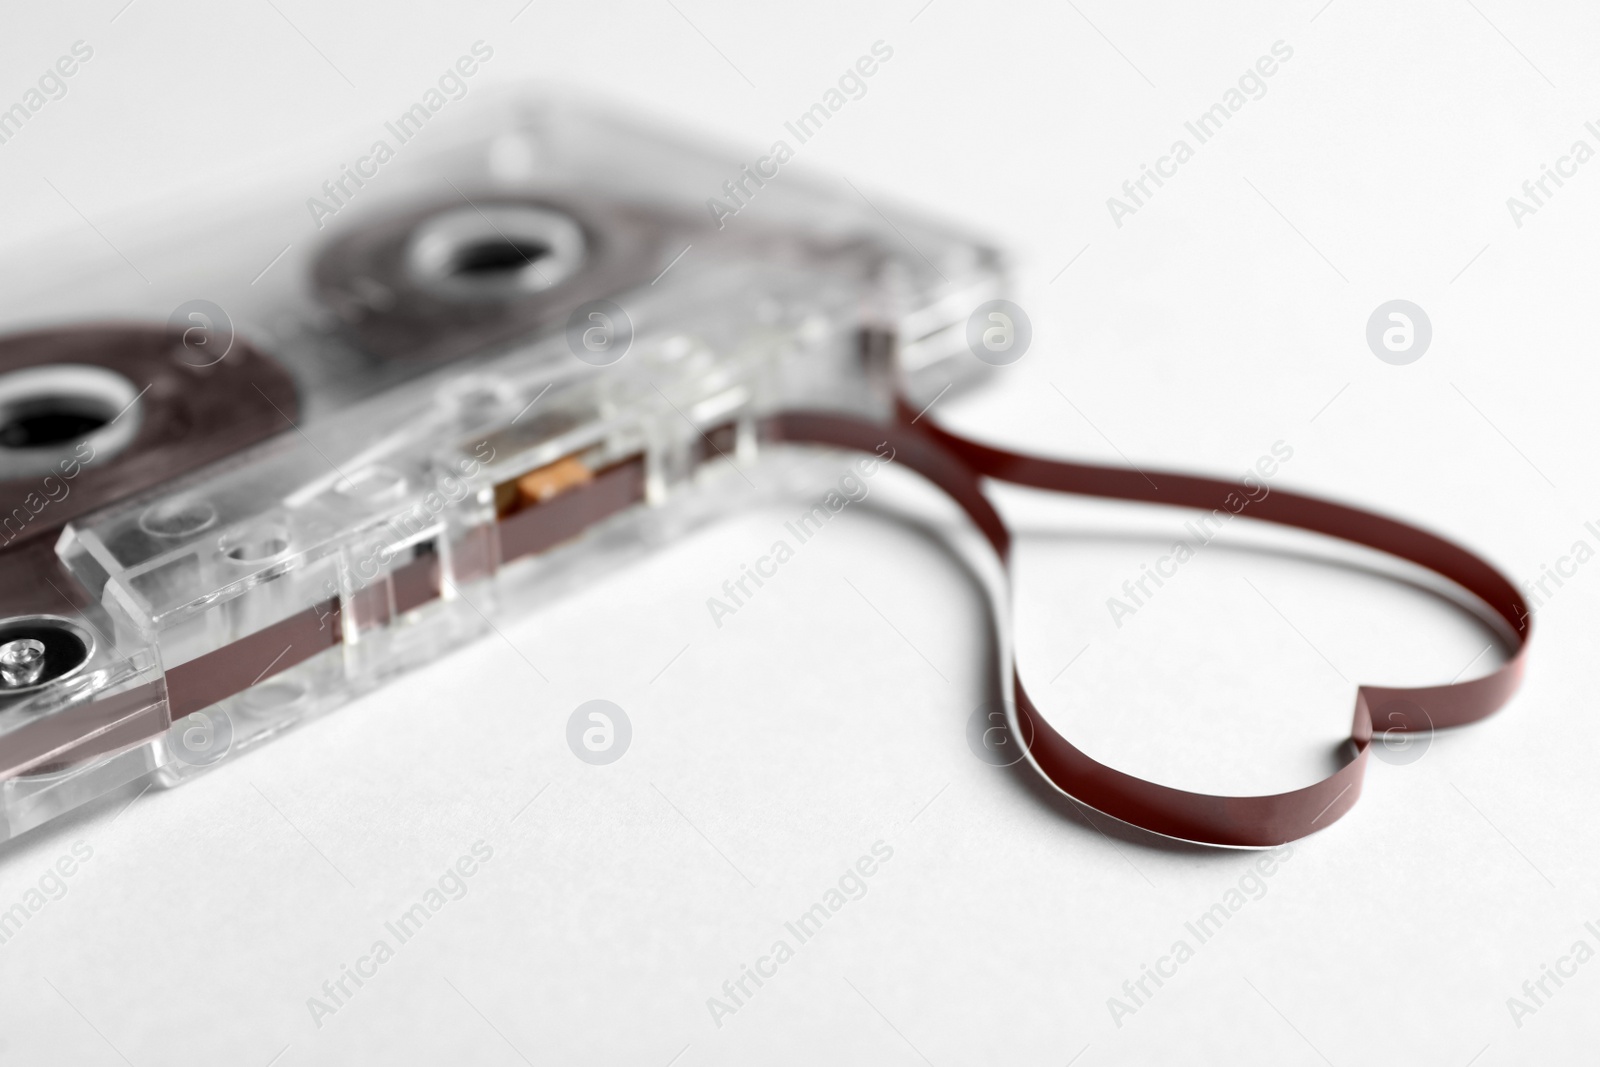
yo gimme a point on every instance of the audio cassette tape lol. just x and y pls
(487, 368)
(481, 366)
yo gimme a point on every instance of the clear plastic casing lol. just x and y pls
(518, 357)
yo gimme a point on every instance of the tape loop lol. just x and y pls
(958, 466)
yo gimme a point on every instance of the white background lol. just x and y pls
(1226, 315)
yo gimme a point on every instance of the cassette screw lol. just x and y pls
(21, 662)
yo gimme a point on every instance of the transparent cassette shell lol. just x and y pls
(461, 450)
